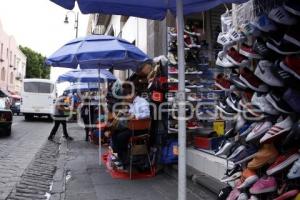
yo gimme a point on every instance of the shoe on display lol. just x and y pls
(224, 193)
(234, 194)
(225, 108)
(223, 61)
(236, 58)
(292, 98)
(292, 6)
(172, 70)
(277, 129)
(266, 155)
(260, 47)
(283, 161)
(172, 80)
(281, 16)
(264, 72)
(285, 47)
(291, 65)
(225, 149)
(192, 125)
(236, 36)
(245, 155)
(243, 196)
(240, 121)
(278, 103)
(230, 133)
(222, 82)
(292, 36)
(236, 152)
(247, 28)
(249, 52)
(295, 170)
(249, 177)
(172, 59)
(293, 138)
(288, 195)
(265, 184)
(234, 79)
(260, 101)
(247, 128)
(224, 39)
(259, 130)
(263, 23)
(288, 79)
(233, 101)
(232, 174)
(252, 81)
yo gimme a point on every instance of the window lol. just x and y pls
(3, 74)
(38, 87)
(11, 77)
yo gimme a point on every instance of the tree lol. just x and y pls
(35, 67)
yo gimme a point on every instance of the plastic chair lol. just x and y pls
(139, 145)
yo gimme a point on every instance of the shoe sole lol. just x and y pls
(291, 10)
(283, 165)
(249, 85)
(277, 134)
(274, 48)
(245, 159)
(232, 178)
(250, 55)
(286, 68)
(273, 103)
(257, 135)
(267, 190)
(248, 182)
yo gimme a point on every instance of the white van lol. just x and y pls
(38, 98)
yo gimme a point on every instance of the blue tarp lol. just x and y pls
(149, 9)
(87, 76)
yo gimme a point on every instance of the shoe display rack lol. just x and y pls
(262, 55)
(201, 93)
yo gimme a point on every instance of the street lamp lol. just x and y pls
(66, 21)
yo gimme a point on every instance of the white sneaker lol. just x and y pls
(224, 39)
(261, 102)
(223, 61)
(281, 16)
(225, 149)
(236, 36)
(295, 170)
(277, 129)
(264, 72)
(259, 130)
(236, 152)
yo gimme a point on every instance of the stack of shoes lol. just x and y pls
(263, 98)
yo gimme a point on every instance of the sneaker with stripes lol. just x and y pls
(277, 129)
(281, 16)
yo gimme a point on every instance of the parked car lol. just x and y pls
(6, 116)
(15, 107)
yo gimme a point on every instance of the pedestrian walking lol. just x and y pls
(60, 118)
(86, 117)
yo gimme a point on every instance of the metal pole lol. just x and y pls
(181, 101)
(99, 112)
(77, 23)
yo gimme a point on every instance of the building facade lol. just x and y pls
(12, 63)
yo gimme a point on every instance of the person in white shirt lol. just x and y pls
(138, 109)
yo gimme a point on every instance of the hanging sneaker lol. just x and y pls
(265, 184)
(232, 174)
(292, 6)
(292, 98)
(260, 101)
(222, 82)
(288, 79)
(292, 36)
(225, 108)
(245, 155)
(263, 23)
(283, 161)
(277, 129)
(278, 103)
(224, 39)
(249, 52)
(295, 170)
(236, 36)
(236, 58)
(266, 155)
(281, 16)
(285, 48)
(264, 72)
(247, 29)
(252, 81)
(233, 101)
(223, 61)
(261, 48)
(291, 65)
(235, 80)
(248, 177)
(260, 129)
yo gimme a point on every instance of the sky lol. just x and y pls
(39, 25)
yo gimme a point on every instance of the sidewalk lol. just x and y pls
(79, 176)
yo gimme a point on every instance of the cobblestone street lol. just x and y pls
(18, 150)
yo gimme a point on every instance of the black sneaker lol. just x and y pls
(225, 108)
(260, 47)
(278, 103)
(235, 80)
(233, 101)
(293, 138)
(285, 48)
(69, 138)
(288, 79)
(51, 137)
(224, 193)
(232, 174)
(230, 133)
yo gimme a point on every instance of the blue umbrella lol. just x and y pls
(82, 87)
(87, 76)
(98, 51)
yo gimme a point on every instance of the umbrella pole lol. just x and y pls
(181, 101)
(99, 112)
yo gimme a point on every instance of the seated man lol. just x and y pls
(138, 109)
